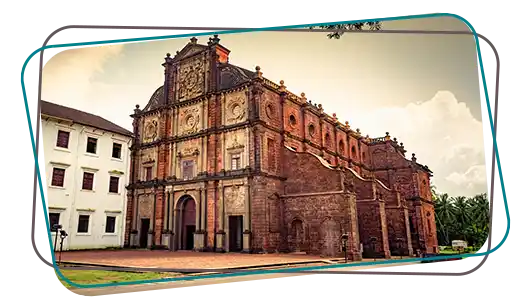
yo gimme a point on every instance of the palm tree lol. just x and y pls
(339, 29)
(462, 216)
(444, 216)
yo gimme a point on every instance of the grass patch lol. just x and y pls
(99, 276)
(453, 252)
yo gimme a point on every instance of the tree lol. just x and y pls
(339, 29)
(444, 213)
(461, 218)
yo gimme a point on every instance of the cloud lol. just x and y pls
(471, 179)
(70, 73)
(442, 133)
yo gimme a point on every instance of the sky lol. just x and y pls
(423, 89)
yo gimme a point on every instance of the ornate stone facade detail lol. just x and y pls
(191, 79)
(235, 142)
(273, 183)
(235, 199)
(189, 120)
(235, 108)
(150, 131)
(148, 156)
(145, 206)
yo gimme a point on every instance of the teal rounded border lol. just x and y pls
(290, 270)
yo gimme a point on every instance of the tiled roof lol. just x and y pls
(81, 117)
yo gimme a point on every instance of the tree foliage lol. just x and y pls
(339, 29)
(461, 218)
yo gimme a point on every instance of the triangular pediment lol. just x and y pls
(189, 50)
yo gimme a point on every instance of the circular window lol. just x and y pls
(292, 120)
(311, 130)
(270, 111)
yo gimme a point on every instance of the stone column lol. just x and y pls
(171, 220)
(179, 224)
(246, 220)
(221, 234)
(134, 220)
(409, 237)
(166, 233)
(199, 234)
(384, 230)
(354, 239)
(150, 235)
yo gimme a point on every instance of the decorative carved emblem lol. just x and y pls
(235, 144)
(190, 121)
(235, 108)
(270, 110)
(191, 79)
(189, 151)
(235, 199)
(150, 131)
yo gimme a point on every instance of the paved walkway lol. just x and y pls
(181, 259)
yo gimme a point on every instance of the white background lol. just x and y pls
(23, 21)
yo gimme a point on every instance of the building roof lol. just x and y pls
(81, 117)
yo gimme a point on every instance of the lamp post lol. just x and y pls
(63, 236)
(344, 238)
(56, 228)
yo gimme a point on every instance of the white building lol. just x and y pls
(87, 167)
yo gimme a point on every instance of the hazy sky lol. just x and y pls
(423, 89)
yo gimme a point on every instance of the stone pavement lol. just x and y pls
(182, 259)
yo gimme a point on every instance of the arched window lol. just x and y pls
(327, 140)
(311, 130)
(341, 147)
(292, 120)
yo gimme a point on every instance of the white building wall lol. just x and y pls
(70, 200)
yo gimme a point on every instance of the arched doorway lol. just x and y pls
(297, 234)
(185, 225)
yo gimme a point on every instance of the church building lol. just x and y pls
(225, 160)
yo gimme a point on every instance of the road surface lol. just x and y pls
(228, 286)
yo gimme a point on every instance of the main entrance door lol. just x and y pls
(144, 231)
(235, 233)
(185, 224)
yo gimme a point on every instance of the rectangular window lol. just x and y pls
(116, 150)
(82, 224)
(110, 226)
(54, 220)
(88, 181)
(58, 177)
(91, 145)
(236, 162)
(63, 137)
(187, 169)
(114, 184)
(148, 173)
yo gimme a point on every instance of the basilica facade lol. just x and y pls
(224, 159)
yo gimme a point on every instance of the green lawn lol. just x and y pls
(453, 252)
(97, 276)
